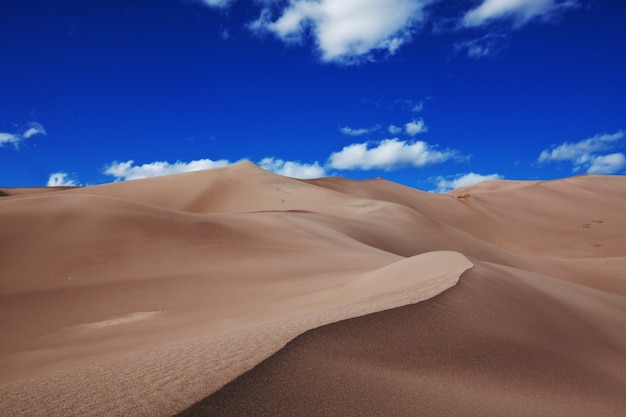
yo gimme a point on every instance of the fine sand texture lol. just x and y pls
(238, 292)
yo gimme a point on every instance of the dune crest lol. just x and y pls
(199, 287)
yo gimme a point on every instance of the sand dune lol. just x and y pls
(499, 343)
(236, 291)
(4, 192)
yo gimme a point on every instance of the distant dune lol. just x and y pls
(30, 190)
(238, 292)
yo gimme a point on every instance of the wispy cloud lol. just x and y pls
(16, 138)
(359, 131)
(588, 154)
(449, 183)
(489, 45)
(59, 179)
(389, 154)
(217, 3)
(9, 139)
(34, 129)
(345, 30)
(519, 12)
(419, 106)
(607, 164)
(293, 169)
(413, 105)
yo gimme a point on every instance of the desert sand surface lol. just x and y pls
(238, 292)
(31, 190)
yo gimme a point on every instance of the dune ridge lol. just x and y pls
(478, 349)
(146, 297)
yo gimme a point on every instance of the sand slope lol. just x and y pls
(4, 191)
(500, 343)
(145, 297)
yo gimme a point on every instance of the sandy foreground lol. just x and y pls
(238, 292)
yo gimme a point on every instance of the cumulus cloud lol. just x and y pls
(59, 179)
(123, 171)
(358, 132)
(388, 154)
(16, 138)
(588, 154)
(293, 169)
(449, 183)
(519, 11)
(412, 128)
(129, 171)
(351, 31)
(345, 30)
(415, 127)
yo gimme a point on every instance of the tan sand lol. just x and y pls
(501, 343)
(6, 191)
(145, 297)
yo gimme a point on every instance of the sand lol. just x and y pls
(238, 292)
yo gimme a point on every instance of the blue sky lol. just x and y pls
(429, 93)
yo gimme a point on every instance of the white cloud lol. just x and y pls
(413, 105)
(415, 127)
(520, 11)
(350, 31)
(607, 164)
(129, 171)
(394, 130)
(580, 150)
(445, 184)
(586, 154)
(388, 154)
(411, 128)
(358, 132)
(260, 25)
(16, 138)
(34, 129)
(418, 106)
(217, 3)
(293, 169)
(123, 171)
(59, 179)
(491, 44)
(9, 139)
(346, 30)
